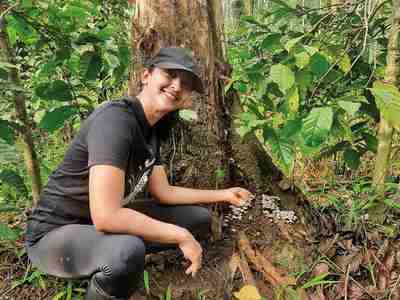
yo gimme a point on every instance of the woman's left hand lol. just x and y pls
(237, 196)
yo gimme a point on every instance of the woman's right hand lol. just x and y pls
(192, 251)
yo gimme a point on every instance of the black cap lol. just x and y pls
(177, 58)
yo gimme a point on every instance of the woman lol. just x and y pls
(81, 227)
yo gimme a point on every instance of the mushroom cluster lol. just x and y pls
(272, 210)
(237, 212)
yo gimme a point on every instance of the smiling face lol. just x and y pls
(168, 89)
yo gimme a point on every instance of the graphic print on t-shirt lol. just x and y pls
(137, 183)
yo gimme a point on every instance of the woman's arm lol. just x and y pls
(160, 188)
(106, 186)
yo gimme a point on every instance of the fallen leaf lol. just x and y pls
(248, 292)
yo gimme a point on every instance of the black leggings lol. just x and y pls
(114, 261)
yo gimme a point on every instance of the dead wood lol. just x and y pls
(270, 273)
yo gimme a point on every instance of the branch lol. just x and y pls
(3, 14)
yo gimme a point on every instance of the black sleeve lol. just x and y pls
(109, 138)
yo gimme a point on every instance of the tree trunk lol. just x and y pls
(385, 132)
(25, 132)
(211, 143)
(248, 7)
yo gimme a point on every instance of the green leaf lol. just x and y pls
(240, 86)
(12, 178)
(302, 59)
(188, 115)
(47, 69)
(88, 38)
(293, 100)
(146, 281)
(317, 280)
(6, 132)
(272, 42)
(56, 118)
(387, 98)
(328, 151)
(345, 64)
(291, 43)
(75, 12)
(6, 65)
(304, 79)
(283, 76)
(319, 65)
(90, 65)
(55, 90)
(350, 107)
(22, 29)
(310, 50)
(352, 158)
(7, 234)
(287, 3)
(3, 74)
(291, 128)
(282, 149)
(371, 141)
(317, 125)
(250, 20)
(8, 153)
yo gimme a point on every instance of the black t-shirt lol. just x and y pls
(117, 133)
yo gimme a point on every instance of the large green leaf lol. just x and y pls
(370, 141)
(319, 64)
(282, 149)
(272, 42)
(55, 118)
(317, 125)
(55, 90)
(8, 153)
(302, 59)
(352, 158)
(6, 132)
(12, 178)
(304, 79)
(350, 107)
(291, 43)
(291, 128)
(22, 29)
(387, 98)
(7, 234)
(283, 76)
(90, 65)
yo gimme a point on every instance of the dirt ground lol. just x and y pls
(166, 270)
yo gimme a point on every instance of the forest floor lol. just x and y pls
(348, 257)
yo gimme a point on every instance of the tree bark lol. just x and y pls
(385, 131)
(25, 132)
(198, 149)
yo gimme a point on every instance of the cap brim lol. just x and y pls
(198, 82)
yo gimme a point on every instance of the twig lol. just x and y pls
(350, 277)
(346, 282)
(8, 9)
(397, 283)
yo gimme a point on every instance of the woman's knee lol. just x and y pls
(128, 254)
(119, 275)
(200, 222)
